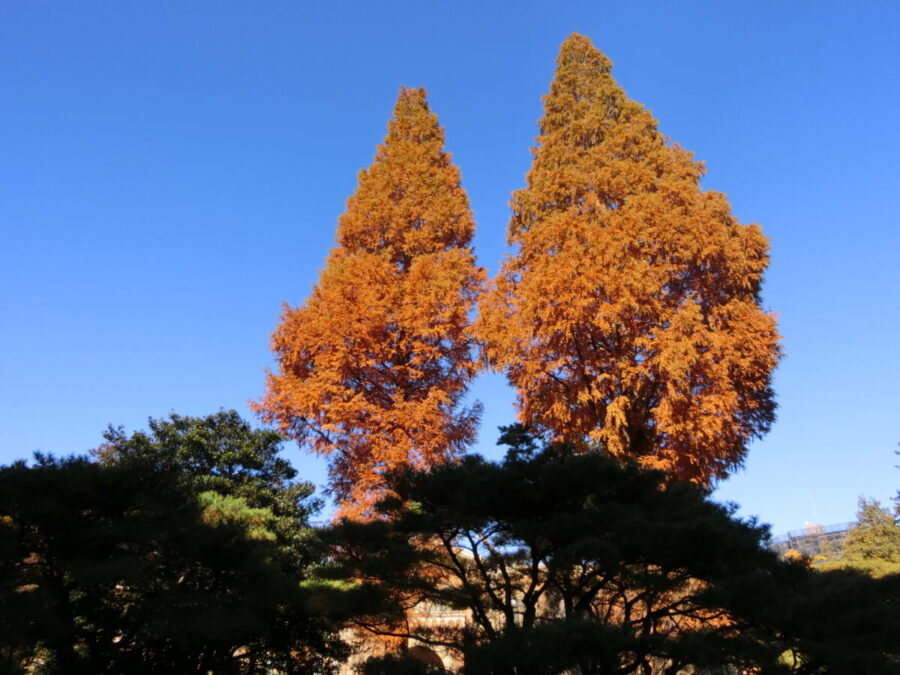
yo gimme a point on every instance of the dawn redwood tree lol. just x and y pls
(374, 366)
(629, 318)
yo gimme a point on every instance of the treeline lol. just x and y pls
(188, 549)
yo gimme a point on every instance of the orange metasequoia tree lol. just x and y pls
(629, 318)
(374, 366)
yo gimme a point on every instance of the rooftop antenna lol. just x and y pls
(815, 510)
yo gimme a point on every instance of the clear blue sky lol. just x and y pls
(171, 172)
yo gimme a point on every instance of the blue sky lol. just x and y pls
(170, 173)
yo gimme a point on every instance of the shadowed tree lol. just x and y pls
(223, 454)
(838, 621)
(629, 317)
(574, 562)
(374, 365)
(123, 568)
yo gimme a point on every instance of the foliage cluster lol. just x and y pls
(183, 550)
(873, 543)
(374, 367)
(568, 562)
(629, 319)
(188, 549)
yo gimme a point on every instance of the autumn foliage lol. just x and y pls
(373, 367)
(629, 318)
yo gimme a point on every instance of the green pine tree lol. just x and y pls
(873, 545)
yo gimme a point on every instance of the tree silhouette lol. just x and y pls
(565, 561)
(123, 568)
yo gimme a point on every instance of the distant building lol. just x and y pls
(812, 540)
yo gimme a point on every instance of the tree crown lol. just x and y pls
(374, 366)
(628, 318)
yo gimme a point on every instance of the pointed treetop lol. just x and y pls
(582, 84)
(410, 201)
(590, 131)
(578, 49)
(413, 120)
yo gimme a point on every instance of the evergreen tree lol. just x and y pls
(837, 621)
(373, 367)
(873, 543)
(629, 318)
(575, 562)
(221, 454)
(121, 567)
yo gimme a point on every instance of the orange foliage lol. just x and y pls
(374, 365)
(630, 317)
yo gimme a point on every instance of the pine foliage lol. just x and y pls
(872, 544)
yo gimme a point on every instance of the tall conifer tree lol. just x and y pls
(374, 366)
(629, 318)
